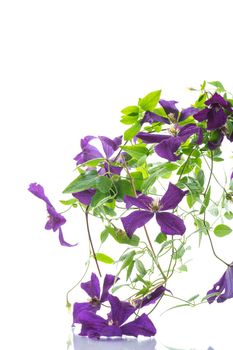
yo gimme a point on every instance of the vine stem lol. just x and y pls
(91, 242)
(145, 229)
(204, 217)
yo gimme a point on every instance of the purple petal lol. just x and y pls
(89, 152)
(167, 148)
(85, 197)
(141, 326)
(201, 115)
(108, 283)
(150, 117)
(187, 112)
(92, 287)
(216, 118)
(92, 324)
(38, 191)
(111, 331)
(85, 141)
(120, 310)
(170, 224)
(79, 307)
(219, 100)
(224, 284)
(110, 146)
(152, 138)
(63, 242)
(171, 198)
(135, 220)
(55, 221)
(151, 298)
(170, 107)
(142, 201)
(187, 131)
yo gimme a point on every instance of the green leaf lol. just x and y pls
(103, 184)
(149, 102)
(99, 199)
(130, 110)
(69, 201)
(206, 201)
(183, 268)
(104, 258)
(132, 131)
(128, 259)
(179, 253)
(92, 162)
(156, 172)
(82, 182)
(141, 268)
(128, 120)
(121, 237)
(222, 230)
(161, 238)
(104, 235)
(123, 187)
(228, 215)
(138, 179)
(201, 177)
(129, 270)
(136, 151)
(218, 85)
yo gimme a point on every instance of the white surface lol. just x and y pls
(67, 69)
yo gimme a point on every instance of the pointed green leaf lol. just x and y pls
(149, 102)
(104, 258)
(132, 131)
(222, 230)
(103, 184)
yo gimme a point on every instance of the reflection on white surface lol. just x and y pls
(82, 343)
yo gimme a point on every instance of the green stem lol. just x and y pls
(70, 290)
(90, 240)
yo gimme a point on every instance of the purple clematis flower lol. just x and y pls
(173, 114)
(90, 152)
(55, 220)
(215, 112)
(92, 288)
(224, 286)
(95, 326)
(169, 144)
(169, 223)
(85, 197)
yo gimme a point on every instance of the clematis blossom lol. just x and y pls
(168, 145)
(215, 112)
(95, 326)
(169, 223)
(92, 288)
(55, 220)
(224, 286)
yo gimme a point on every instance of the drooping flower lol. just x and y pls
(85, 197)
(150, 298)
(92, 288)
(215, 112)
(169, 223)
(224, 286)
(168, 145)
(95, 326)
(55, 220)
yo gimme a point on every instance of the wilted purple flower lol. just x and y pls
(173, 114)
(90, 152)
(150, 298)
(224, 286)
(92, 288)
(85, 197)
(214, 113)
(169, 223)
(169, 144)
(55, 220)
(95, 326)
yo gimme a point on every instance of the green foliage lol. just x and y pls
(104, 258)
(82, 182)
(222, 230)
(132, 131)
(161, 238)
(149, 102)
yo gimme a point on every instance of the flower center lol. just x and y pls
(155, 205)
(173, 130)
(95, 301)
(171, 117)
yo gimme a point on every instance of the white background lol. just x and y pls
(67, 69)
